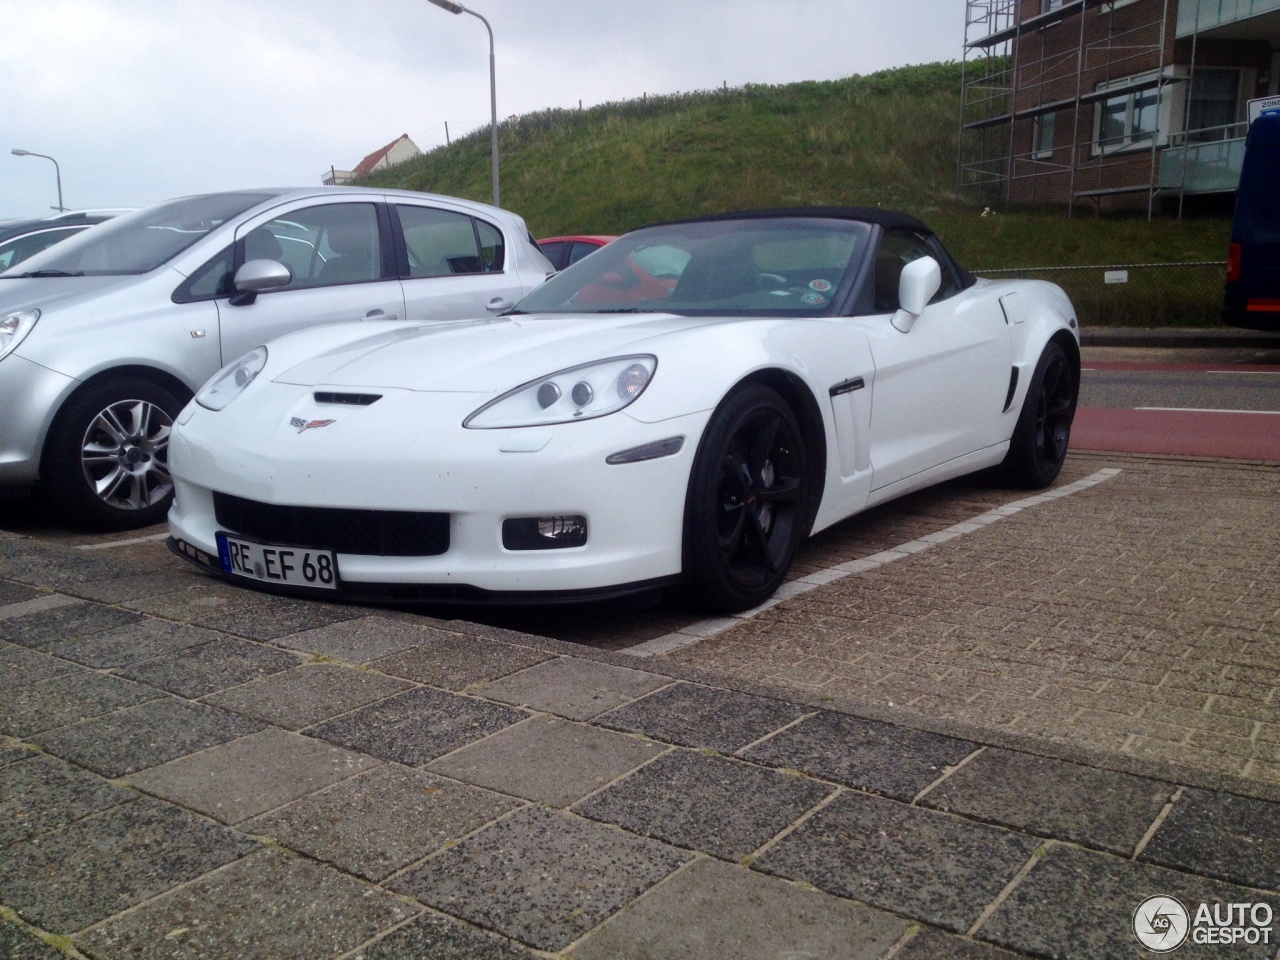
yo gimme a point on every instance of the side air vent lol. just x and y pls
(349, 399)
(1013, 388)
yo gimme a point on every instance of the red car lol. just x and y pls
(563, 251)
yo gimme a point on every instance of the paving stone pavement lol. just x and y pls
(1084, 715)
(1140, 617)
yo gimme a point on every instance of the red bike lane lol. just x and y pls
(1239, 434)
(1187, 433)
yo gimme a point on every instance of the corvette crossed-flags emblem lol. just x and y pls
(301, 424)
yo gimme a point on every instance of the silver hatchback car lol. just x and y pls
(104, 337)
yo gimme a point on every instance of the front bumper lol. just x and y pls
(413, 455)
(29, 394)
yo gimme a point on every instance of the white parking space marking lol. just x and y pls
(123, 543)
(686, 636)
(36, 605)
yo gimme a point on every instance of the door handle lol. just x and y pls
(497, 305)
(379, 315)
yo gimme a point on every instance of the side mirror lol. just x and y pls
(920, 280)
(258, 275)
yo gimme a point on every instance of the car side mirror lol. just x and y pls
(920, 280)
(254, 276)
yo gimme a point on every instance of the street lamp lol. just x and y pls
(57, 171)
(493, 88)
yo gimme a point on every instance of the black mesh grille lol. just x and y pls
(379, 533)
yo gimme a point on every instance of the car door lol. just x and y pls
(452, 264)
(939, 390)
(342, 261)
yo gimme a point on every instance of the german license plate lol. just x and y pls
(283, 566)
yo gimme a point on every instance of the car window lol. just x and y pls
(897, 249)
(775, 266)
(951, 284)
(556, 252)
(139, 242)
(491, 249)
(322, 245)
(441, 243)
(13, 252)
(662, 260)
(580, 250)
(210, 281)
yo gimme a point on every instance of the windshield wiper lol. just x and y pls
(50, 273)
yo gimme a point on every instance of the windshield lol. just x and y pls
(771, 266)
(139, 242)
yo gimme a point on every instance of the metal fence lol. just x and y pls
(1136, 294)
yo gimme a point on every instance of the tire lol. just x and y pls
(1039, 444)
(748, 505)
(106, 461)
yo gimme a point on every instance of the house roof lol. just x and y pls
(372, 160)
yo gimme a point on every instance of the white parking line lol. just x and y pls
(702, 629)
(122, 543)
(1271, 413)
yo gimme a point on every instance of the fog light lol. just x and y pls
(544, 533)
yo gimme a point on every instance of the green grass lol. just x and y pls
(887, 139)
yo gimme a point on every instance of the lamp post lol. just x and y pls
(56, 169)
(493, 89)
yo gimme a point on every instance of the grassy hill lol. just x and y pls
(885, 139)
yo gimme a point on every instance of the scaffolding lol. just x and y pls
(1066, 101)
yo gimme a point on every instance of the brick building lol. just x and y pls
(1121, 104)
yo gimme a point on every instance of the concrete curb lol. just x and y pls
(1179, 338)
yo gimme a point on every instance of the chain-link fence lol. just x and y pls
(1136, 294)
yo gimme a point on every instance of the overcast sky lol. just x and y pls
(141, 100)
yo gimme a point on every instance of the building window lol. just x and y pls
(1215, 99)
(1128, 120)
(1047, 5)
(1042, 136)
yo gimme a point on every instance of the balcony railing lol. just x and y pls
(1204, 161)
(1197, 16)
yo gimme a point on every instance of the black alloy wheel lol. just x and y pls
(1039, 445)
(749, 498)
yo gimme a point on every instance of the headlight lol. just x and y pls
(579, 393)
(229, 382)
(15, 327)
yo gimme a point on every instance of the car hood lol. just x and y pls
(23, 293)
(480, 356)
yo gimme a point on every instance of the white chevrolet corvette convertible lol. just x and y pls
(684, 406)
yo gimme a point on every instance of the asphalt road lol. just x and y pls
(1181, 386)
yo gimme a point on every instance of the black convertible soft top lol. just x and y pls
(888, 219)
(885, 219)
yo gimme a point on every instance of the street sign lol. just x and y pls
(1262, 103)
